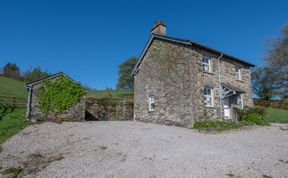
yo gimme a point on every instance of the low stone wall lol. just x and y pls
(279, 104)
(112, 110)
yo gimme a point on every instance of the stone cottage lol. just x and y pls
(178, 81)
(75, 113)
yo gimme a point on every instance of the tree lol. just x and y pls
(125, 80)
(277, 59)
(11, 70)
(34, 74)
(263, 83)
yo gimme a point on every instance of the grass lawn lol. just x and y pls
(13, 88)
(12, 123)
(117, 94)
(276, 115)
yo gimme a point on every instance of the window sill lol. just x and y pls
(206, 72)
(210, 107)
(240, 81)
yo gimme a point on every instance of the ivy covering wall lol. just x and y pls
(59, 95)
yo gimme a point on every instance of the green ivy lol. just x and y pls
(59, 95)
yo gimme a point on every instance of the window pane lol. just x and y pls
(238, 73)
(205, 60)
(151, 103)
(207, 91)
(206, 67)
(208, 96)
(206, 64)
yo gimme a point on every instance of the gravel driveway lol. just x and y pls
(135, 149)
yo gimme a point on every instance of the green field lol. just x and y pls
(117, 94)
(12, 88)
(276, 115)
(12, 123)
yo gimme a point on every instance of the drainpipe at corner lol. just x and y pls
(219, 83)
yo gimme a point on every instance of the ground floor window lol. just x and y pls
(208, 96)
(151, 103)
(239, 101)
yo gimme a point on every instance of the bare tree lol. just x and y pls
(277, 59)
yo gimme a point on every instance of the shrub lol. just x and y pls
(242, 114)
(256, 119)
(252, 115)
(218, 125)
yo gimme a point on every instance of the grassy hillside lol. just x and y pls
(276, 115)
(117, 94)
(12, 123)
(12, 88)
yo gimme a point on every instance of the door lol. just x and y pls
(226, 106)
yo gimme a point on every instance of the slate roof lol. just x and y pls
(185, 42)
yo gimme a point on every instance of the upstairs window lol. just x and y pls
(208, 96)
(238, 74)
(206, 62)
(151, 103)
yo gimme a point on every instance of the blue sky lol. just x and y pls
(89, 39)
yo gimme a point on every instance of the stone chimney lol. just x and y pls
(159, 28)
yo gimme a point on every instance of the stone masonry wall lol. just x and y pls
(165, 73)
(173, 74)
(118, 110)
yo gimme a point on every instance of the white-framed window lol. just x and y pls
(151, 103)
(238, 74)
(239, 101)
(208, 96)
(206, 62)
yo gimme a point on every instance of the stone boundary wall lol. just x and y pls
(114, 110)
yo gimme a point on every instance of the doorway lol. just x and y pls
(226, 107)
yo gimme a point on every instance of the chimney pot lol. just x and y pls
(159, 28)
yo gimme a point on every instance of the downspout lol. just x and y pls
(219, 84)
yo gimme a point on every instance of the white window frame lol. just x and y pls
(238, 74)
(204, 63)
(151, 100)
(208, 96)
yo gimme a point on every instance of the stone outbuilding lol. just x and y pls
(75, 113)
(178, 81)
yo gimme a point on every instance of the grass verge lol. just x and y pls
(276, 115)
(12, 123)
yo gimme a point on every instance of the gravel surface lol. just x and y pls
(135, 149)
